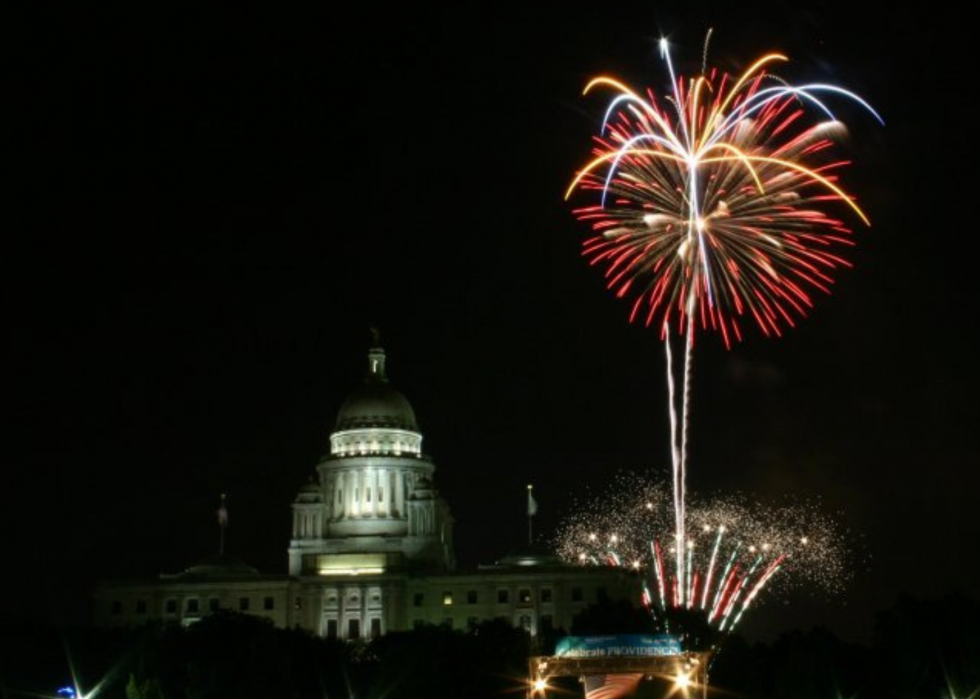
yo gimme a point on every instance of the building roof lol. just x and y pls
(309, 493)
(533, 555)
(221, 566)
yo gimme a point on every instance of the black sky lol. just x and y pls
(210, 210)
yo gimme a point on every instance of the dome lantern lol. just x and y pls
(376, 365)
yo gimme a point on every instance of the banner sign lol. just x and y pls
(633, 645)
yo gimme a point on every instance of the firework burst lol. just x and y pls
(735, 549)
(717, 201)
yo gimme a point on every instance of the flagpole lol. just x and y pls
(530, 515)
(222, 523)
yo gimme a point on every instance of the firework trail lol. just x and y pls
(718, 203)
(735, 549)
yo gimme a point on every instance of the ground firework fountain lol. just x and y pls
(736, 549)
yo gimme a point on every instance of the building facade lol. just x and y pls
(371, 549)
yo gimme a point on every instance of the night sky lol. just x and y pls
(209, 211)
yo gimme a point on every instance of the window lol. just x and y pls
(375, 628)
(331, 628)
(269, 603)
(355, 494)
(381, 494)
(419, 599)
(546, 594)
(525, 622)
(298, 603)
(524, 595)
(213, 604)
(547, 623)
(116, 607)
(193, 606)
(576, 594)
(471, 597)
(340, 497)
(243, 604)
(447, 597)
(141, 606)
(600, 594)
(447, 623)
(503, 596)
(472, 623)
(354, 629)
(171, 606)
(367, 495)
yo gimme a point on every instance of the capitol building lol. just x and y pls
(371, 549)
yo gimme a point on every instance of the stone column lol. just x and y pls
(358, 492)
(383, 505)
(400, 493)
(348, 494)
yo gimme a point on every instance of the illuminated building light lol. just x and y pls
(351, 564)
